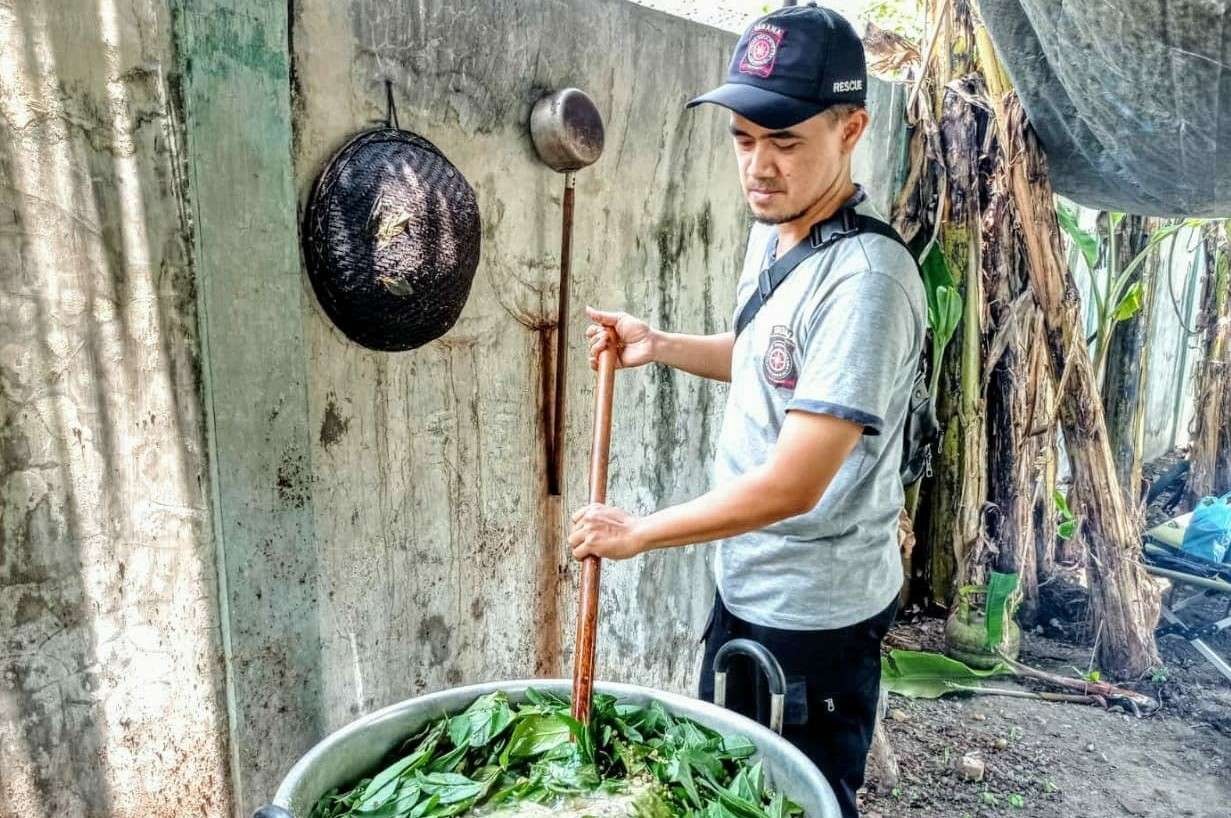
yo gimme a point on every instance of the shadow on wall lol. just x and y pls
(110, 680)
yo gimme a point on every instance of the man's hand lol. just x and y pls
(605, 531)
(634, 338)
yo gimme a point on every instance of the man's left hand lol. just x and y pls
(605, 531)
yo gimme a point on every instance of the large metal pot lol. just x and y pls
(354, 750)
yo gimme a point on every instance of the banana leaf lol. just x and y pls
(923, 675)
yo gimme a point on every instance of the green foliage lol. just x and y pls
(944, 302)
(1086, 242)
(495, 754)
(1116, 296)
(1130, 302)
(1067, 522)
(999, 588)
(923, 675)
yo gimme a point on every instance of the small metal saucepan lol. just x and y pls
(567, 131)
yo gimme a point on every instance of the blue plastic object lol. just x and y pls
(1208, 535)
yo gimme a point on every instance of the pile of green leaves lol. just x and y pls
(497, 754)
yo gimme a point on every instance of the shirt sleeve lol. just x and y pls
(861, 338)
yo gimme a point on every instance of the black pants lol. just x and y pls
(833, 683)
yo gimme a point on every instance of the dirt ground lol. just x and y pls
(1063, 760)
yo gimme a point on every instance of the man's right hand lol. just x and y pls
(634, 338)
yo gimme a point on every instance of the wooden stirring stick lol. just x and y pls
(587, 605)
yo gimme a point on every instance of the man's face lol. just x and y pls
(785, 172)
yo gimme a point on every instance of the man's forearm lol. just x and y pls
(708, 356)
(747, 503)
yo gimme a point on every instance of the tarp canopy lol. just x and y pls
(1130, 98)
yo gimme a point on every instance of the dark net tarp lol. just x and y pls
(1130, 98)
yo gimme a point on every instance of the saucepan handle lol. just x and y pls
(768, 664)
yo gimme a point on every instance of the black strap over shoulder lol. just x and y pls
(920, 429)
(846, 222)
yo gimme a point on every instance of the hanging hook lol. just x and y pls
(391, 111)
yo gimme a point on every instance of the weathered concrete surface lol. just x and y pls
(441, 556)
(236, 89)
(110, 680)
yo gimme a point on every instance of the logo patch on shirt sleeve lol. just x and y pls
(762, 51)
(779, 361)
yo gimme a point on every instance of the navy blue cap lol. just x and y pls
(792, 64)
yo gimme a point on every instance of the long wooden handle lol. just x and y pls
(587, 604)
(555, 441)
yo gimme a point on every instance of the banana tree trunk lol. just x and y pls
(1125, 602)
(1124, 385)
(1210, 447)
(957, 493)
(1012, 388)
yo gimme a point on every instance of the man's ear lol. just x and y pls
(852, 129)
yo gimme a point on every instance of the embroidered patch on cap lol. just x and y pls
(762, 51)
(779, 361)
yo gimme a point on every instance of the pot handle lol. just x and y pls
(769, 666)
(272, 811)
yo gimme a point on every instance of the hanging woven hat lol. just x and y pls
(391, 240)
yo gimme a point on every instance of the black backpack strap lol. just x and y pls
(841, 224)
(846, 222)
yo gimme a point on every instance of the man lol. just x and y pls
(807, 491)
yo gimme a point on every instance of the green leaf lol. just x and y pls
(1068, 523)
(689, 734)
(1087, 243)
(459, 730)
(737, 746)
(1062, 503)
(737, 805)
(424, 807)
(702, 761)
(679, 772)
(543, 698)
(777, 806)
(565, 777)
(1130, 302)
(943, 299)
(535, 735)
(741, 787)
(485, 719)
(923, 675)
(999, 588)
(383, 786)
(451, 788)
(450, 760)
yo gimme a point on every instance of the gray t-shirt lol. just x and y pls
(840, 336)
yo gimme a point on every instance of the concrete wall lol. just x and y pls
(224, 529)
(110, 680)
